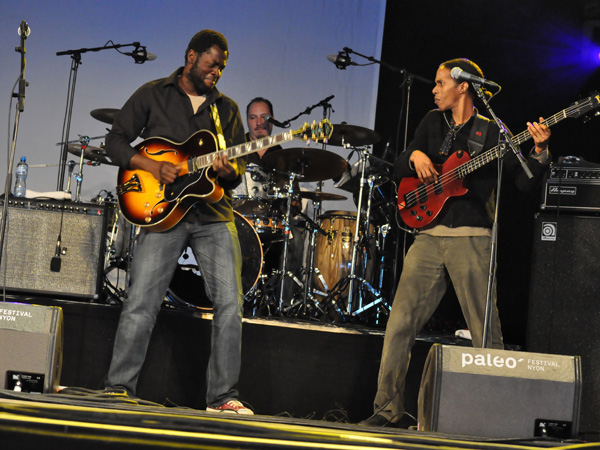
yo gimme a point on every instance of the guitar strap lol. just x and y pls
(214, 113)
(478, 134)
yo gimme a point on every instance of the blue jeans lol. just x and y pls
(217, 251)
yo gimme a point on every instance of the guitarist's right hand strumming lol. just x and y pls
(424, 168)
(164, 171)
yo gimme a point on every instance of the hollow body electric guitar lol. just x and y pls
(420, 203)
(147, 203)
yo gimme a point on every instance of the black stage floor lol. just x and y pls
(71, 422)
(308, 382)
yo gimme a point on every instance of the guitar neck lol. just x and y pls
(494, 153)
(244, 149)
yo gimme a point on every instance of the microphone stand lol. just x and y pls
(75, 62)
(23, 32)
(505, 142)
(409, 79)
(324, 103)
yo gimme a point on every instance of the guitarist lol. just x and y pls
(455, 247)
(174, 108)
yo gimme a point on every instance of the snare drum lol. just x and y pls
(187, 286)
(265, 221)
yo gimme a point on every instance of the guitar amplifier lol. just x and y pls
(572, 185)
(31, 243)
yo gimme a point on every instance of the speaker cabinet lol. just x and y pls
(31, 338)
(563, 305)
(30, 244)
(499, 393)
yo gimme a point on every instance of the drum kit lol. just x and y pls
(325, 266)
(344, 251)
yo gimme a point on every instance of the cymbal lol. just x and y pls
(91, 153)
(352, 136)
(317, 196)
(106, 115)
(310, 164)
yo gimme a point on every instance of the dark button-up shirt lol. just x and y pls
(161, 108)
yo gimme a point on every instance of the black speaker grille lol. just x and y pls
(30, 244)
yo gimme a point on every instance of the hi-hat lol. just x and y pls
(106, 115)
(317, 196)
(345, 135)
(310, 164)
(91, 153)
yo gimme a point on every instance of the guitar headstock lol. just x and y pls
(584, 105)
(317, 132)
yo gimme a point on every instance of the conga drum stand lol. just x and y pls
(358, 285)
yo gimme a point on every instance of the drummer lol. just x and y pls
(257, 184)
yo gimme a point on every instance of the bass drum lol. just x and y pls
(187, 286)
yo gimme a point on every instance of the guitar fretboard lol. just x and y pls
(246, 148)
(518, 139)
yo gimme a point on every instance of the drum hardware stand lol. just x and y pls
(383, 231)
(286, 239)
(71, 165)
(122, 294)
(84, 140)
(308, 290)
(351, 279)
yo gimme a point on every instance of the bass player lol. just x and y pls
(455, 246)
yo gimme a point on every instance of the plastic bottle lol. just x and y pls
(22, 170)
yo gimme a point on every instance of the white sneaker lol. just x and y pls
(231, 407)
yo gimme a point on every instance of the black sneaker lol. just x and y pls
(376, 420)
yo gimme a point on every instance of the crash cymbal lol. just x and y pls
(352, 136)
(106, 115)
(317, 196)
(91, 153)
(310, 164)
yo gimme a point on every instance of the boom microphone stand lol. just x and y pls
(139, 55)
(407, 80)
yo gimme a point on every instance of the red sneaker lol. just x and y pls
(232, 407)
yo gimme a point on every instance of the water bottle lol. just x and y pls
(22, 170)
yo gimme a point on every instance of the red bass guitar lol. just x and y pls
(420, 203)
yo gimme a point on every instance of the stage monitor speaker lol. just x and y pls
(499, 393)
(31, 342)
(563, 304)
(33, 260)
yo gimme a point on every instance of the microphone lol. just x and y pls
(460, 75)
(270, 119)
(341, 60)
(55, 262)
(140, 55)
(24, 29)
